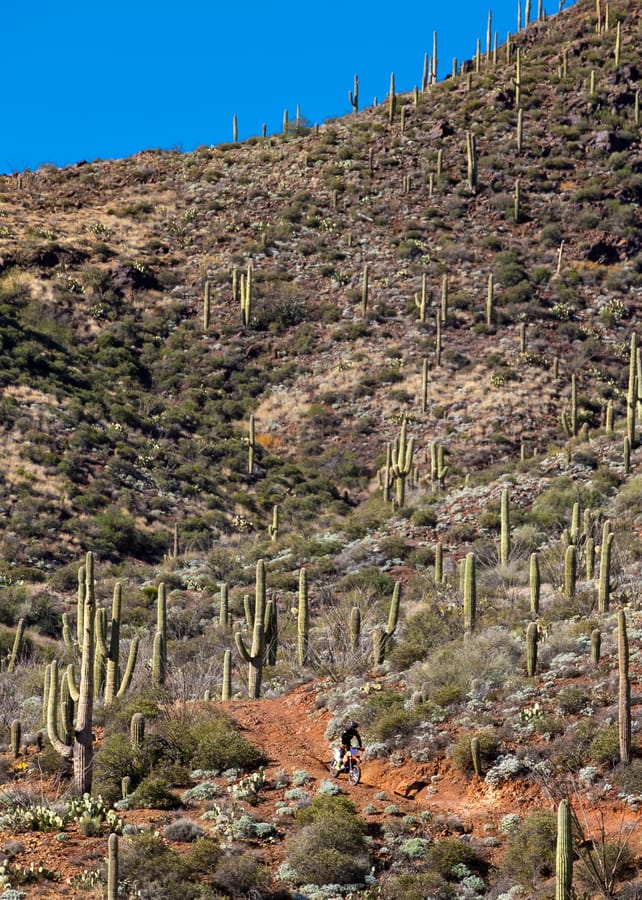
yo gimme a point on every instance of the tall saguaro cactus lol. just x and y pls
(303, 622)
(624, 692)
(256, 654)
(564, 853)
(401, 459)
(535, 582)
(159, 659)
(532, 636)
(80, 749)
(604, 588)
(504, 540)
(115, 686)
(112, 867)
(381, 636)
(470, 592)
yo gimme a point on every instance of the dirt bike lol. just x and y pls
(353, 768)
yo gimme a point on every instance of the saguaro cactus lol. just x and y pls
(224, 606)
(564, 854)
(596, 646)
(632, 394)
(112, 867)
(255, 655)
(504, 539)
(475, 754)
(114, 685)
(250, 445)
(470, 592)
(159, 658)
(353, 95)
(401, 460)
(16, 735)
(532, 636)
(355, 627)
(604, 589)
(303, 621)
(570, 571)
(624, 692)
(273, 529)
(439, 562)
(207, 302)
(381, 636)
(17, 646)
(81, 748)
(137, 731)
(471, 152)
(226, 689)
(535, 583)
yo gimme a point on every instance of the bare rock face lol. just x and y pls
(608, 141)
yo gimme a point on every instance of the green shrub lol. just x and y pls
(330, 846)
(605, 745)
(219, 744)
(240, 875)
(461, 753)
(445, 855)
(410, 886)
(530, 852)
(152, 793)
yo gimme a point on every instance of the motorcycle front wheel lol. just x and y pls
(355, 773)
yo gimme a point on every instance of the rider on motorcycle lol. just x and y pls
(349, 735)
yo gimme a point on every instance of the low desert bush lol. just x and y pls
(530, 853)
(461, 752)
(444, 855)
(329, 846)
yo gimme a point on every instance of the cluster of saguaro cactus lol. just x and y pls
(255, 656)
(381, 636)
(244, 286)
(108, 677)
(78, 745)
(115, 685)
(401, 454)
(438, 468)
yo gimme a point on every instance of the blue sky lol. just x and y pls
(90, 81)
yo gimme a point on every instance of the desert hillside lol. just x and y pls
(337, 423)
